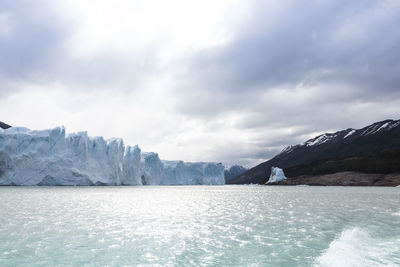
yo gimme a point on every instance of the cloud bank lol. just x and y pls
(233, 81)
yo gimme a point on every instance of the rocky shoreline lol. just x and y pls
(344, 179)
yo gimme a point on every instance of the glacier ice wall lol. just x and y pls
(50, 157)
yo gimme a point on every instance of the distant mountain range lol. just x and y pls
(233, 172)
(374, 149)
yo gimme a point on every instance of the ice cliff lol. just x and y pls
(277, 175)
(50, 157)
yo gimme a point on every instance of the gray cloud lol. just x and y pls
(36, 50)
(308, 42)
(290, 70)
(34, 35)
(336, 61)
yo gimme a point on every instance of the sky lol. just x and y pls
(226, 81)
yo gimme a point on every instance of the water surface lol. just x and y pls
(199, 226)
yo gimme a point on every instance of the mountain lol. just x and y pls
(4, 126)
(372, 149)
(233, 172)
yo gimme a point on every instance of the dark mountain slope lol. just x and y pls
(4, 126)
(372, 149)
(233, 172)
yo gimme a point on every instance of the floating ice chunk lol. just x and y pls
(277, 175)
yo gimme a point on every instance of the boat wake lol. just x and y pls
(356, 247)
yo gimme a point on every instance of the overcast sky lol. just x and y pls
(229, 81)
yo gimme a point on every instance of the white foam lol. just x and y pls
(356, 247)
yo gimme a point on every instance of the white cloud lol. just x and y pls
(125, 27)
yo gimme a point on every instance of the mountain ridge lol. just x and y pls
(303, 159)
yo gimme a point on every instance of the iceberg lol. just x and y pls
(277, 175)
(51, 157)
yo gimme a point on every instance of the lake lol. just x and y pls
(227, 225)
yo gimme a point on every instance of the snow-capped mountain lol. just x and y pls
(372, 149)
(376, 128)
(52, 157)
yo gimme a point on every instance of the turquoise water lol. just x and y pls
(199, 226)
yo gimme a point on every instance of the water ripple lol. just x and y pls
(198, 225)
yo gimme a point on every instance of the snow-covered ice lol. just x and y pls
(321, 139)
(50, 157)
(288, 149)
(379, 126)
(277, 175)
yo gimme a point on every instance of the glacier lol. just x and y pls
(277, 175)
(52, 157)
